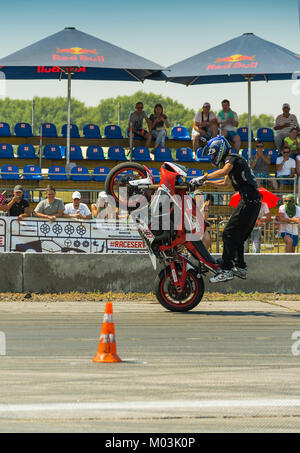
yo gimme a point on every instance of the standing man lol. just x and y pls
(228, 121)
(136, 120)
(237, 172)
(283, 124)
(17, 206)
(76, 209)
(204, 126)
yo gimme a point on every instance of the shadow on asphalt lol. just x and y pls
(239, 313)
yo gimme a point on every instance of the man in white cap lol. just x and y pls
(283, 124)
(77, 210)
(204, 126)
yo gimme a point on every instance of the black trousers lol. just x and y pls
(237, 230)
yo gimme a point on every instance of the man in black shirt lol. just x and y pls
(17, 206)
(237, 172)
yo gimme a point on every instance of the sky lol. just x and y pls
(165, 31)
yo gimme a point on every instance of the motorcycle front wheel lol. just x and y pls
(168, 296)
(119, 177)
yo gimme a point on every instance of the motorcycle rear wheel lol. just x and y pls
(168, 296)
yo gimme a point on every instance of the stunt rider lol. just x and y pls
(237, 172)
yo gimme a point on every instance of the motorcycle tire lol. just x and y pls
(168, 296)
(111, 183)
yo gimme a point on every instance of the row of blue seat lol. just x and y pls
(113, 131)
(78, 173)
(140, 153)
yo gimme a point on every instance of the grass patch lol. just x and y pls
(140, 297)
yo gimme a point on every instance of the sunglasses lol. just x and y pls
(259, 146)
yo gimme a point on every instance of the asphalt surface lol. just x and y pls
(223, 367)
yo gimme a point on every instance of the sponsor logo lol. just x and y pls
(77, 54)
(47, 69)
(236, 61)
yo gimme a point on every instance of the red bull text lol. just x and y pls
(77, 53)
(236, 61)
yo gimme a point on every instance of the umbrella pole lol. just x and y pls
(68, 121)
(249, 117)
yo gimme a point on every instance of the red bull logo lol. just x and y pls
(77, 53)
(76, 50)
(234, 58)
(236, 61)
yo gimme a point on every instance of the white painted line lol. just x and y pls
(151, 405)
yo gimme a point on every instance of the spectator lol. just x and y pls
(102, 209)
(293, 141)
(264, 216)
(283, 124)
(159, 122)
(136, 120)
(259, 164)
(76, 209)
(205, 125)
(285, 166)
(50, 208)
(289, 218)
(228, 121)
(17, 206)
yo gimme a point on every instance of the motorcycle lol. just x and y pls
(177, 252)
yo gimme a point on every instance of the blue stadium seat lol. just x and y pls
(57, 173)
(26, 151)
(193, 173)
(75, 152)
(100, 173)
(49, 130)
(95, 152)
(265, 134)
(185, 155)
(243, 133)
(32, 172)
(200, 157)
(91, 131)
(141, 153)
(23, 130)
(79, 173)
(10, 172)
(52, 152)
(74, 132)
(180, 133)
(4, 130)
(155, 174)
(6, 151)
(273, 153)
(163, 154)
(245, 153)
(116, 153)
(112, 131)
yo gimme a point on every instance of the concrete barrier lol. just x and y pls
(46, 272)
(41, 272)
(11, 275)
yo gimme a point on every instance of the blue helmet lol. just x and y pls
(218, 148)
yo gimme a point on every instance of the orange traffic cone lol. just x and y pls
(107, 349)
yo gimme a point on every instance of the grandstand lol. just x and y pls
(35, 161)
